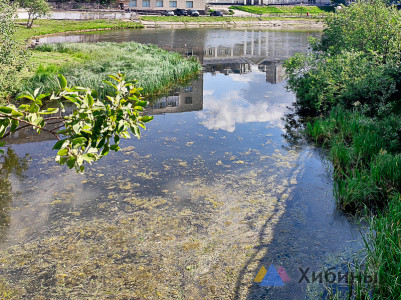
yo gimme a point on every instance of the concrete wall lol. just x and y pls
(77, 15)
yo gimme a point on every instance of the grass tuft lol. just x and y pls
(155, 69)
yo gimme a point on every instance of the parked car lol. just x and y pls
(193, 12)
(180, 12)
(216, 13)
(168, 13)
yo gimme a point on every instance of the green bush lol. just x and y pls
(369, 26)
(357, 60)
(322, 82)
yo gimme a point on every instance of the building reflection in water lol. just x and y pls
(219, 51)
(180, 99)
(275, 72)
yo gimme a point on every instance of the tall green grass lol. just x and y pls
(366, 156)
(384, 251)
(155, 69)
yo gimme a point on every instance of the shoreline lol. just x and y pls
(271, 24)
(274, 24)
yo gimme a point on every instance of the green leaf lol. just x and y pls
(125, 135)
(80, 160)
(61, 159)
(101, 143)
(105, 150)
(141, 103)
(62, 152)
(71, 99)
(115, 147)
(26, 96)
(15, 113)
(71, 162)
(146, 119)
(38, 102)
(62, 81)
(2, 144)
(14, 125)
(49, 111)
(89, 100)
(34, 108)
(5, 109)
(41, 96)
(89, 157)
(115, 78)
(23, 107)
(59, 144)
(76, 127)
(77, 142)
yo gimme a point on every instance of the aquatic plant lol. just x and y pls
(155, 69)
(365, 155)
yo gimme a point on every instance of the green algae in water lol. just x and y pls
(152, 247)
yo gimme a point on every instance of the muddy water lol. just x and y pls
(210, 194)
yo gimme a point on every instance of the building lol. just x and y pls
(158, 6)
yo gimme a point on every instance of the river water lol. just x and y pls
(212, 192)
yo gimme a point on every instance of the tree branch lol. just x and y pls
(28, 124)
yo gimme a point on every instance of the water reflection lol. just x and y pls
(10, 165)
(225, 108)
(223, 51)
(180, 99)
(209, 194)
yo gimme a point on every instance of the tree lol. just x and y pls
(36, 9)
(368, 26)
(93, 128)
(13, 56)
(356, 63)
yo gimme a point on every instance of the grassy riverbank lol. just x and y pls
(43, 27)
(88, 64)
(350, 91)
(366, 154)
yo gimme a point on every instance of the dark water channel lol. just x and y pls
(210, 194)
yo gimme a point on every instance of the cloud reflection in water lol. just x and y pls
(226, 107)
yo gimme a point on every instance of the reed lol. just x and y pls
(155, 69)
(366, 156)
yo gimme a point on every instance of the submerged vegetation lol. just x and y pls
(351, 86)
